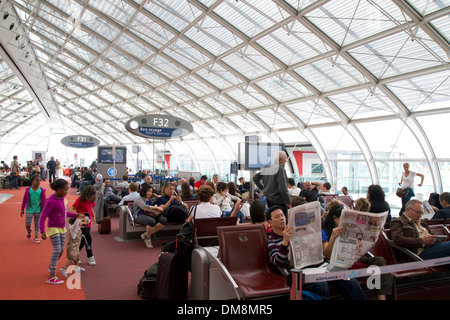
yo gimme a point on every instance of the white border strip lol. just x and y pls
(366, 272)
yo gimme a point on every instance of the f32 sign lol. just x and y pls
(158, 126)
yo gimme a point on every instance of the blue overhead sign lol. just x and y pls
(158, 126)
(80, 141)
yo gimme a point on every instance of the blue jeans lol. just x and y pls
(240, 215)
(408, 195)
(14, 182)
(437, 250)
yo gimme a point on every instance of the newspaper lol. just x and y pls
(428, 212)
(361, 231)
(306, 242)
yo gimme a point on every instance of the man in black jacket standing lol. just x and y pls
(272, 180)
(51, 167)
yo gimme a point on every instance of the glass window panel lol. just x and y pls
(150, 31)
(219, 76)
(390, 172)
(136, 48)
(249, 98)
(98, 25)
(194, 85)
(251, 17)
(424, 7)
(313, 112)
(250, 63)
(397, 54)
(423, 93)
(186, 55)
(283, 88)
(338, 143)
(354, 175)
(442, 25)
(212, 36)
(222, 105)
(293, 43)
(434, 125)
(120, 59)
(177, 14)
(275, 119)
(364, 104)
(390, 139)
(118, 10)
(444, 169)
(299, 5)
(331, 74)
(355, 20)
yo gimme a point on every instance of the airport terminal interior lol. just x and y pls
(350, 90)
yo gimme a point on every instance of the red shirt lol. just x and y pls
(83, 207)
(199, 183)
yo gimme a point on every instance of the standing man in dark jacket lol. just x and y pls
(51, 167)
(272, 180)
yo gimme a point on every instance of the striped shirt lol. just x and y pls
(278, 253)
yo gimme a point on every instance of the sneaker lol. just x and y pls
(148, 243)
(63, 272)
(54, 280)
(81, 269)
(78, 192)
(143, 235)
(92, 261)
(29, 235)
(37, 240)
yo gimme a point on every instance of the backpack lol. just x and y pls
(146, 287)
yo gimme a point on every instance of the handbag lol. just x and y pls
(400, 192)
(154, 213)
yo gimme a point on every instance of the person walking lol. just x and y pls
(33, 202)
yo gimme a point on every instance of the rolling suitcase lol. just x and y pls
(104, 226)
(173, 269)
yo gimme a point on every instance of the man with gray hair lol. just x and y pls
(409, 232)
(443, 213)
(272, 180)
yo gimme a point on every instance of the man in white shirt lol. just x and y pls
(133, 195)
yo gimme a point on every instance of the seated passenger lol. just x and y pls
(243, 186)
(201, 182)
(362, 204)
(233, 190)
(225, 201)
(311, 192)
(133, 195)
(148, 215)
(376, 195)
(297, 201)
(293, 190)
(174, 208)
(331, 230)
(326, 189)
(186, 192)
(109, 194)
(205, 208)
(258, 214)
(409, 232)
(278, 248)
(443, 213)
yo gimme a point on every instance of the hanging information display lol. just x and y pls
(158, 126)
(80, 141)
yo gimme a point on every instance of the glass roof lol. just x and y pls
(231, 68)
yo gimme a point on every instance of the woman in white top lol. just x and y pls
(407, 182)
(205, 208)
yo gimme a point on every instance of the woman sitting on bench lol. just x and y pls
(148, 215)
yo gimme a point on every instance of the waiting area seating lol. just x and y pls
(239, 268)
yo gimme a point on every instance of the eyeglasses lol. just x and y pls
(418, 212)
